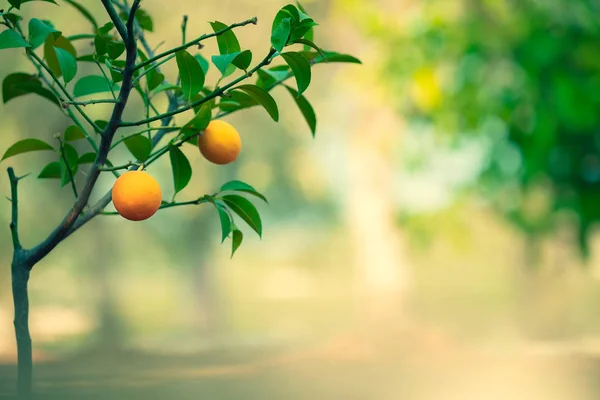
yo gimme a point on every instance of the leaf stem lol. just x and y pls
(71, 177)
(155, 128)
(195, 41)
(14, 222)
(110, 82)
(119, 167)
(85, 103)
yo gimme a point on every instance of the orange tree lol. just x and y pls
(127, 65)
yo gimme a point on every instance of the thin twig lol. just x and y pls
(14, 221)
(110, 82)
(68, 167)
(195, 41)
(119, 167)
(156, 128)
(85, 103)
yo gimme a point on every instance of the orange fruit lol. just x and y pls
(220, 143)
(136, 195)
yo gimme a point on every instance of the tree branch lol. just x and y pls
(85, 103)
(195, 41)
(14, 221)
(63, 229)
(208, 97)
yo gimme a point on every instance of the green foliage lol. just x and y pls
(67, 64)
(20, 84)
(262, 97)
(26, 146)
(300, 68)
(67, 58)
(139, 146)
(245, 210)
(191, 73)
(51, 171)
(182, 170)
(199, 122)
(307, 110)
(239, 186)
(240, 59)
(236, 240)
(69, 164)
(10, 39)
(17, 3)
(72, 133)
(92, 84)
(39, 31)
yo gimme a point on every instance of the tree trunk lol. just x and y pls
(20, 278)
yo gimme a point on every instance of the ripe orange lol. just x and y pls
(136, 195)
(220, 143)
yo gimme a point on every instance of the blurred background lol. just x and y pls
(436, 239)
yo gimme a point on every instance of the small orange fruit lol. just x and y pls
(220, 143)
(136, 195)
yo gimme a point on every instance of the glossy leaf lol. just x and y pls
(263, 98)
(50, 54)
(12, 18)
(199, 122)
(26, 146)
(267, 78)
(300, 67)
(39, 31)
(301, 29)
(91, 84)
(226, 63)
(246, 210)
(236, 240)
(239, 186)
(192, 75)
(144, 19)
(226, 41)
(114, 49)
(310, 44)
(306, 109)
(10, 39)
(225, 222)
(68, 64)
(87, 158)
(140, 146)
(330, 56)
(17, 3)
(72, 133)
(182, 171)
(51, 171)
(281, 34)
(20, 84)
(203, 63)
(154, 79)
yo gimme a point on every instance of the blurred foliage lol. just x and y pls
(524, 74)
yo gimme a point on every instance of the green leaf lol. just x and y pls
(263, 98)
(91, 84)
(20, 84)
(203, 63)
(309, 43)
(87, 158)
(241, 60)
(39, 31)
(114, 49)
(307, 111)
(281, 33)
(192, 75)
(163, 87)
(70, 154)
(182, 171)
(236, 240)
(239, 186)
(144, 19)
(100, 123)
(199, 122)
(17, 3)
(12, 18)
(106, 28)
(236, 101)
(140, 146)
(267, 78)
(245, 209)
(51, 171)
(225, 221)
(50, 45)
(72, 133)
(115, 75)
(300, 67)
(330, 56)
(301, 29)
(86, 14)
(10, 39)
(68, 64)
(227, 41)
(154, 79)
(25, 146)
(100, 44)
